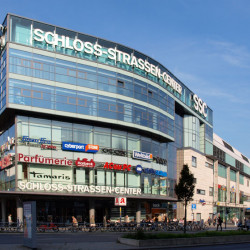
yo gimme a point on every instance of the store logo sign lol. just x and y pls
(142, 155)
(44, 146)
(139, 169)
(120, 201)
(200, 106)
(79, 147)
(112, 53)
(40, 141)
(44, 160)
(113, 166)
(48, 176)
(85, 163)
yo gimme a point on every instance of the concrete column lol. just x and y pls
(237, 188)
(138, 212)
(3, 206)
(228, 185)
(19, 208)
(215, 181)
(92, 211)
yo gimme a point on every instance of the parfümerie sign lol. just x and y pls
(55, 187)
(112, 53)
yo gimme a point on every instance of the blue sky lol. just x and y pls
(205, 43)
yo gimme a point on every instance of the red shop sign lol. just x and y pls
(117, 166)
(85, 163)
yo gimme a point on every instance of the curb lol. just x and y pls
(186, 241)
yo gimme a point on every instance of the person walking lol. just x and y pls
(10, 219)
(219, 223)
(74, 221)
(209, 221)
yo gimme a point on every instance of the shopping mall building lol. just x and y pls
(85, 120)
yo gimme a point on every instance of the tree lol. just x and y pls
(185, 189)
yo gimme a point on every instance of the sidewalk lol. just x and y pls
(86, 244)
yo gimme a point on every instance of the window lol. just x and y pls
(239, 165)
(211, 191)
(218, 153)
(244, 157)
(194, 161)
(208, 165)
(195, 180)
(228, 146)
(200, 191)
(248, 183)
(198, 217)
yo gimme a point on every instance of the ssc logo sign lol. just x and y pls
(200, 106)
(120, 201)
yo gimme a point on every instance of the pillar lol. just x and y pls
(237, 188)
(138, 212)
(228, 185)
(215, 181)
(19, 208)
(3, 206)
(92, 211)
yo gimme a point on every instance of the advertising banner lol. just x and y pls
(142, 155)
(79, 147)
(29, 224)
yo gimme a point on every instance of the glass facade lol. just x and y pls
(110, 142)
(22, 32)
(85, 102)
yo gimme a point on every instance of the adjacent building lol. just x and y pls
(85, 121)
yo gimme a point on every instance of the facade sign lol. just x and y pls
(156, 205)
(112, 53)
(45, 174)
(44, 146)
(114, 166)
(32, 186)
(139, 169)
(120, 201)
(40, 141)
(85, 163)
(7, 145)
(44, 160)
(200, 106)
(79, 147)
(142, 155)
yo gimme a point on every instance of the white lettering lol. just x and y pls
(49, 38)
(39, 34)
(78, 45)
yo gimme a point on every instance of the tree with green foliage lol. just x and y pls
(185, 189)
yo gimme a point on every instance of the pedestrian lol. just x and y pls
(209, 221)
(214, 221)
(10, 219)
(74, 221)
(219, 223)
